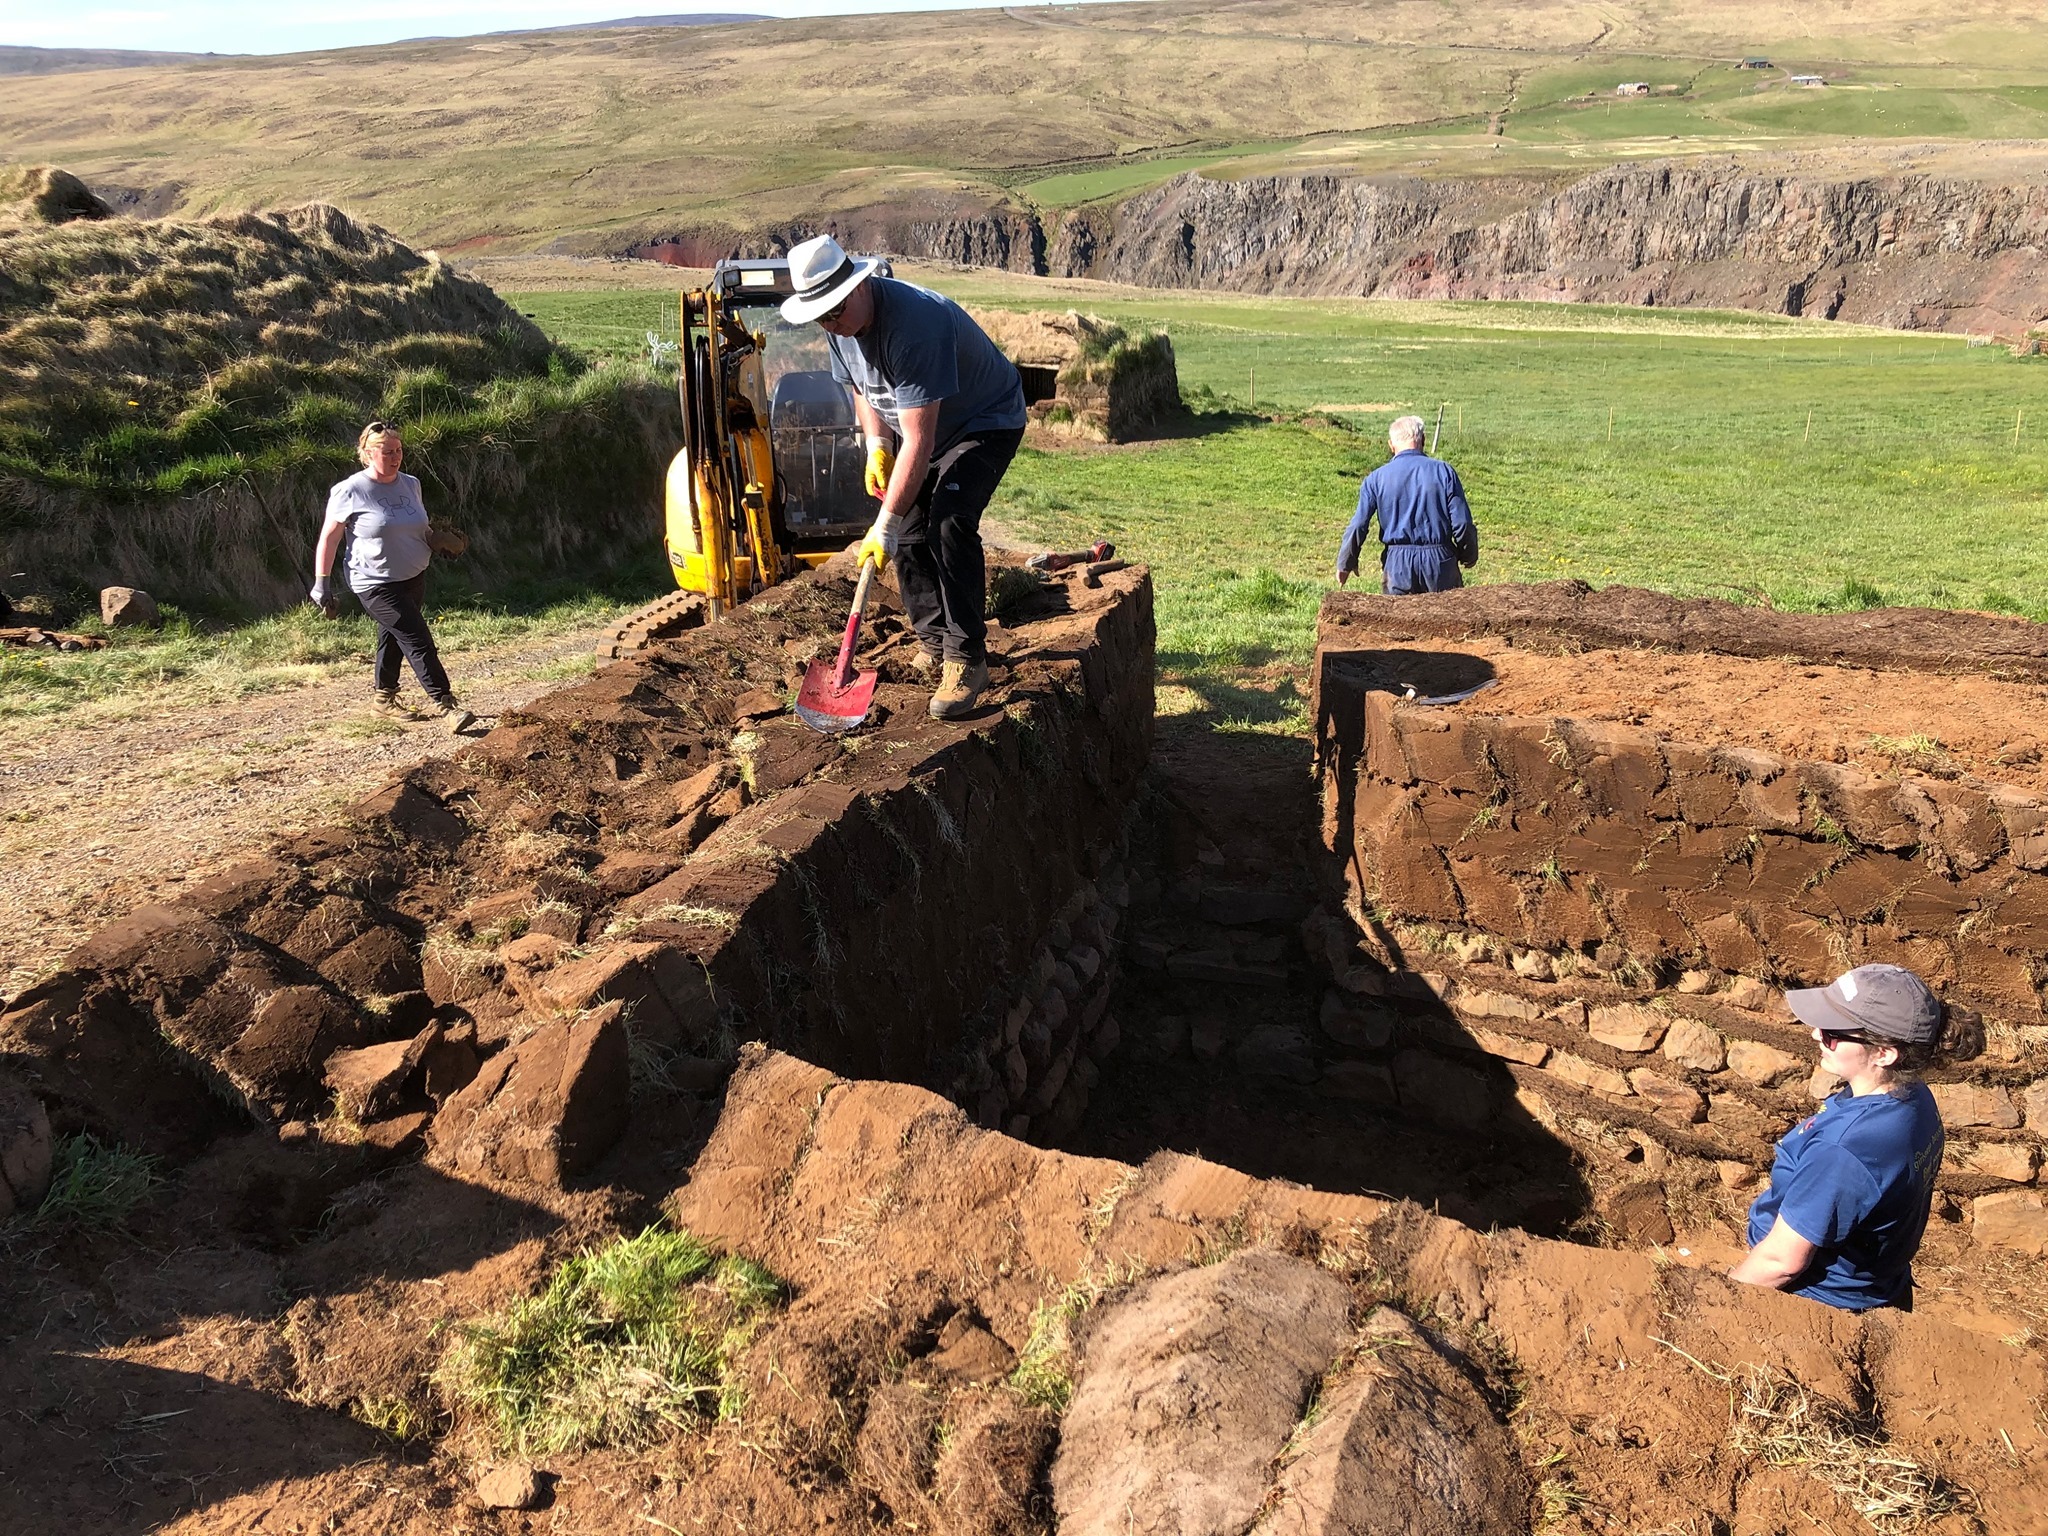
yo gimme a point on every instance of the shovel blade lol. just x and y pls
(826, 707)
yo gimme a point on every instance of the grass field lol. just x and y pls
(517, 141)
(1799, 463)
(192, 662)
(1663, 449)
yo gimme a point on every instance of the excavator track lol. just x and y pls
(662, 619)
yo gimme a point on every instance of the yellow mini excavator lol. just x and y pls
(769, 478)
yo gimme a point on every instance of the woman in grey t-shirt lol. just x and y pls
(381, 516)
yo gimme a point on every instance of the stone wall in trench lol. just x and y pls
(1596, 919)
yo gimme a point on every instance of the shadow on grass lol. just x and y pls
(1199, 422)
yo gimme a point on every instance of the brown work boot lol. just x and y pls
(385, 702)
(926, 663)
(453, 715)
(961, 684)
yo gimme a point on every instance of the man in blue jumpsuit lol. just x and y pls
(1425, 526)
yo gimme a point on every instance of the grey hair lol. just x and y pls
(1406, 432)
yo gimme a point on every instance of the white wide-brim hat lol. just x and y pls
(823, 275)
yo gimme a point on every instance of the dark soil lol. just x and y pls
(1569, 616)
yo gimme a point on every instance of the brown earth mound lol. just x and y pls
(666, 841)
(1186, 1389)
(584, 914)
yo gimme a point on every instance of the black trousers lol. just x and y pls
(402, 631)
(939, 566)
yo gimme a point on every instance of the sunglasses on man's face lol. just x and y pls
(832, 315)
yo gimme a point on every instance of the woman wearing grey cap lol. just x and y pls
(1852, 1184)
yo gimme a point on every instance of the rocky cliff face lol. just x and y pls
(1908, 251)
(1905, 251)
(1011, 239)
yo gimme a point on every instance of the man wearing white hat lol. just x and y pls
(943, 411)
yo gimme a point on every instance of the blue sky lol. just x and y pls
(266, 26)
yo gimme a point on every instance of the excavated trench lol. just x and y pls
(1505, 963)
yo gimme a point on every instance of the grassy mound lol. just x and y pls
(177, 397)
(156, 357)
(628, 1343)
(42, 194)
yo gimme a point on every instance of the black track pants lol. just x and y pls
(939, 565)
(402, 631)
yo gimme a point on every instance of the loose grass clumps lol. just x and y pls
(1778, 1421)
(628, 1343)
(94, 1186)
(1114, 383)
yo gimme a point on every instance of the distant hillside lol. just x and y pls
(992, 135)
(595, 140)
(697, 19)
(175, 397)
(57, 61)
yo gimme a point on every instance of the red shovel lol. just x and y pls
(835, 698)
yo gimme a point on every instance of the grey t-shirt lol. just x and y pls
(922, 347)
(387, 528)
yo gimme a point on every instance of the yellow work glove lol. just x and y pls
(880, 544)
(881, 465)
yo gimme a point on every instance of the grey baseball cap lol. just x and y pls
(1886, 1001)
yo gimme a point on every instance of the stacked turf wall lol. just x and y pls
(1596, 918)
(632, 876)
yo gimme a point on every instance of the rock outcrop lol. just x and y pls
(1909, 251)
(1913, 251)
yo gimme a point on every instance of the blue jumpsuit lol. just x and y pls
(1424, 523)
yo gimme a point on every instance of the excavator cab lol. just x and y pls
(770, 476)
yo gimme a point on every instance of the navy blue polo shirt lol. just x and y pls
(922, 347)
(1418, 500)
(1856, 1180)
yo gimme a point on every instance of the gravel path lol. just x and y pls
(98, 815)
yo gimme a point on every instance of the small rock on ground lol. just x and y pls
(513, 1485)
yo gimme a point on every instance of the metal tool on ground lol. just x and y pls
(1054, 561)
(1438, 430)
(1409, 694)
(835, 698)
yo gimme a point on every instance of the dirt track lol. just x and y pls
(104, 814)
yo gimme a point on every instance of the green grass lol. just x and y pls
(628, 1343)
(607, 325)
(1906, 488)
(145, 359)
(93, 1186)
(1067, 189)
(192, 660)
